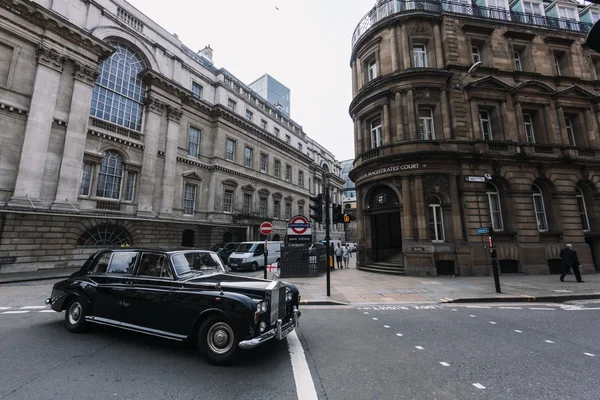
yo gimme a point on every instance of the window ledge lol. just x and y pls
(551, 234)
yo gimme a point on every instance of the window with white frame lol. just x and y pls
(189, 199)
(539, 208)
(197, 90)
(426, 124)
(595, 16)
(249, 115)
(568, 18)
(376, 133)
(419, 56)
(436, 219)
(193, 142)
(495, 207)
(228, 201)
(264, 163)
(556, 64)
(263, 124)
(485, 124)
(534, 12)
(288, 211)
(230, 150)
(518, 63)
(570, 133)
(86, 179)
(110, 176)
(300, 208)
(496, 9)
(276, 209)
(371, 70)
(288, 173)
(248, 157)
(130, 186)
(277, 168)
(475, 54)
(529, 132)
(583, 214)
(561, 63)
(301, 178)
(231, 105)
(247, 203)
(262, 207)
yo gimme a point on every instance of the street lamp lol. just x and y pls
(473, 68)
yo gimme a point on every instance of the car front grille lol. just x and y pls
(277, 304)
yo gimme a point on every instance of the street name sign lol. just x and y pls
(474, 178)
(482, 231)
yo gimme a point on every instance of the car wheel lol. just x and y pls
(217, 341)
(75, 314)
(254, 266)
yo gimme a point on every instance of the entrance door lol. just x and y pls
(592, 242)
(387, 235)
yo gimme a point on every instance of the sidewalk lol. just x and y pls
(40, 274)
(355, 286)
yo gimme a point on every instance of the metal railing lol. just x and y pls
(110, 127)
(391, 7)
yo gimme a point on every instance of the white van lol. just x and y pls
(250, 255)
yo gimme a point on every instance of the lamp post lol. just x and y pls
(473, 68)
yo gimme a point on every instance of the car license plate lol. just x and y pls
(287, 331)
(233, 265)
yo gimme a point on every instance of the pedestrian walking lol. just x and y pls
(338, 256)
(346, 255)
(570, 260)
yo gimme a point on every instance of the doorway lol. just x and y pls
(593, 243)
(385, 223)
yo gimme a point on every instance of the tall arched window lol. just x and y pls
(540, 209)
(583, 214)
(495, 207)
(436, 219)
(110, 175)
(119, 91)
(105, 235)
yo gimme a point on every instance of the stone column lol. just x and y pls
(410, 120)
(69, 179)
(356, 136)
(522, 137)
(354, 79)
(359, 142)
(394, 44)
(154, 108)
(405, 49)
(420, 208)
(457, 227)
(360, 78)
(386, 123)
(506, 134)
(39, 124)
(592, 128)
(170, 168)
(564, 137)
(437, 38)
(398, 113)
(407, 209)
(475, 118)
(550, 123)
(445, 114)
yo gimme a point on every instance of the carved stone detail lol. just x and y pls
(435, 184)
(174, 114)
(420, 29)
(154, 105)
(428, 95)
(50, 58)
(585, 172)
(84, 73)
(542, 169)
(497, 167)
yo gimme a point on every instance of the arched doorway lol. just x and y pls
(384, 208)
(105, 235)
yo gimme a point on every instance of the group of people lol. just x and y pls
(342, 255)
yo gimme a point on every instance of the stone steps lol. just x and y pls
(386, 268)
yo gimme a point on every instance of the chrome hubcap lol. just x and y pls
(220, 338)
(74, 313)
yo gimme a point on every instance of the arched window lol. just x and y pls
(436, 219)
(110, 175)
(119, 91)
(495, 207)
(540, 209)
(583, 214)
(105, 235)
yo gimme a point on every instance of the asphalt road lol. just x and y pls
(503, 351)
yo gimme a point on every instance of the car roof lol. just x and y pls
(168, 250)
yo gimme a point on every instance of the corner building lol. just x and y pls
(114, 132)
(528, 116)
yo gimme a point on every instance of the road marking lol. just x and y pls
(46, 311)
(32, 307)
(359, 308)
(492, 322)
(398, 334)
(518, 331)
(454, 309)
(419, 347)
(478, 307)
(472, 316)
(305, 387)
(386, 326)
(445, 364)
(510, 308)
(542, 309)
(548, 341)
(5, 308)
(589, 354)
(479, 386)
(15, 312)
(375, 319)
(366, 312)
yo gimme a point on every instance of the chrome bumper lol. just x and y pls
(279, 332)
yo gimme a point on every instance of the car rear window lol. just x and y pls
(122, 263)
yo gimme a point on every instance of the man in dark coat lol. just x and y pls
(570, 260)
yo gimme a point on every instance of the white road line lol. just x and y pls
(46, 311)
(589, 354)
(305, 387)
(479, 386)
(582, 309)
(399, 334)
(386, 326)
(375, 319)
(542, 309)
(33, 307)
(366, 312)
(454, 309)
(510, 308)
(419, 347)
(478, 307)
(492, 322)
(518, 331)
(548, 341)
(15, 312)
(472, 316)
(445, 364)
(5, 308)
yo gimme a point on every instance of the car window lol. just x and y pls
(155, 265)
(260, 249)
(122, 263)
(100, 265)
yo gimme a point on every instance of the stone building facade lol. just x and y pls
(114, 132)
(443, 149)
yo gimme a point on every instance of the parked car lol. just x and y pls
(226, 251)
(251, 255)
(180, 295)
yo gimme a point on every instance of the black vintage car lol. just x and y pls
(180, 295)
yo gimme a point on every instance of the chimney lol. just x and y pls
(176, 36)
(207, 52)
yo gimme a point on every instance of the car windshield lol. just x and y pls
(202, 261)
(245, 248)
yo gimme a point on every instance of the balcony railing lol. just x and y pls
(391, 7)
(112, 128)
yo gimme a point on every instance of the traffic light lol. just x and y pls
(316, 208)
(338, 217)
(348, 218)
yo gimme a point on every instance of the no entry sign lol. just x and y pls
(299, 230)
(266, 228)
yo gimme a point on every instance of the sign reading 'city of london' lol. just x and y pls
(386, 170)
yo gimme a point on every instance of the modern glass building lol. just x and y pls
(273, 91)
(349, 189)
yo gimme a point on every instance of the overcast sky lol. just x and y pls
(305, 45)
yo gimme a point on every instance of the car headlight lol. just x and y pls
(289, 296)
(244, 259)
(262, 306)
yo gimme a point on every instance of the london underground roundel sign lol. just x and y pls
(266, 228)
(299, 225)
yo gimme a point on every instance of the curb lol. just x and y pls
(531, 299)
(323, 303)
(35, 276)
